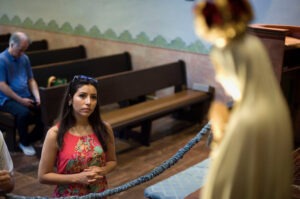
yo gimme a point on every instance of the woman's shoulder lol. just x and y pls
(53, 131)
(108, 126)
(110, 131)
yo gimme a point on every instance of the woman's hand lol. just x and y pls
(6, 181)
(88, 176)
(96, 173)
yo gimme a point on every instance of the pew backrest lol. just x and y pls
(56, 55)
(38, 45)
(118, 87)
(51, 99)
(5, 37)
(132, 84)
(93, 67)
(34, 46)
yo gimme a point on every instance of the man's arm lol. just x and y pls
(34, 90)
(10, 93)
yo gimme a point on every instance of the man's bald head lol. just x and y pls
(18, 43)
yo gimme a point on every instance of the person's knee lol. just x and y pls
(24, 116)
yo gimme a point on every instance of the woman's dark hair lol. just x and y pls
(66, 118)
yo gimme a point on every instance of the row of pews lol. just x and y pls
(128, 90)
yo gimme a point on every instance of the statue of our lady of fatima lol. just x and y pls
(252, 146)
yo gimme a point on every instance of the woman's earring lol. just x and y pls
(70, 103)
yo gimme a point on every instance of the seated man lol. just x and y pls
(6, 168)
(19, 94)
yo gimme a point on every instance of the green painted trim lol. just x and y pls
(39, 24)
(94, 32)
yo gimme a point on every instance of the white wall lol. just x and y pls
(168, 18)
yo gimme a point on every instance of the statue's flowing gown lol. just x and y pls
(254, 159)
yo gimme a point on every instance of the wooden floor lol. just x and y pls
(133, 160)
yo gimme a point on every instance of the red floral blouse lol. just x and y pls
(77, 154)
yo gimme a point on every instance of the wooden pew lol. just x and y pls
(34, 46)
(283, 45)
(131, 84)
(92, 67)
(56, 55)
(7, 126)
(5, 37)
(142, 114)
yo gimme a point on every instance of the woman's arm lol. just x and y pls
(111, 151)
(46, 173)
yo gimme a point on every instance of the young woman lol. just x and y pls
(81, 146)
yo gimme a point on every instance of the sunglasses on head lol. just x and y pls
(84, 78)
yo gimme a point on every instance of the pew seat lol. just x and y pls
(152, 109)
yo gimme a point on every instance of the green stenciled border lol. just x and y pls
(94, 32)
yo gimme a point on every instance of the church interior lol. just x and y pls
(156, 81)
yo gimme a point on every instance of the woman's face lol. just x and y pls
(84, 101)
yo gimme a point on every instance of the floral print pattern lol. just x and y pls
(77, 154)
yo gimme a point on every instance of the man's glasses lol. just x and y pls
(84, 78)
